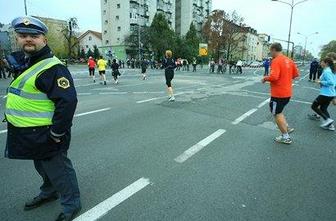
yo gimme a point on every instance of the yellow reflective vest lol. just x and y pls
(26, 106)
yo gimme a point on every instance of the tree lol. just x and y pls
(192, 41)
(132, 41)
(330, 47)
(69, 33)
(82, 54)
(96, 52)
(161, 36)
(89, 53)
(225, 32)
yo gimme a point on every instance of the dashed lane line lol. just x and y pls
(244, 116)
(92, 112)
(3, 131)
(104, 207)
(199, 146)
(156, 98)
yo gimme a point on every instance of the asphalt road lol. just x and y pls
(209, 155)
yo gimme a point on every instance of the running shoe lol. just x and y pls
(331, 127)
(281, 139)
(172, 98)
(290, 130)
(327, 122)
(314, 117)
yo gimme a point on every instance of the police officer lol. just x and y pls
(40, 106)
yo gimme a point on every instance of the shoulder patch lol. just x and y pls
(63, 83)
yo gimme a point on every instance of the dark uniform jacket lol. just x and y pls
(36, 142)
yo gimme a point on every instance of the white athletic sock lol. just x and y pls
(285, 135)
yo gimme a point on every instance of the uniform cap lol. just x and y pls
(29, 25)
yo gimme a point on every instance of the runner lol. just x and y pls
(92, 66)
(327, 94)
(102, 68)
(144, 69)
(283, 71)
(239, 66)
(169, 66)
(115, 71)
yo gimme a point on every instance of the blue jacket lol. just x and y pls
(328, 83)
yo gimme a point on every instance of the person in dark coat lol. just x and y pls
(43, 137)
(115, 71)
(313, 72)
(169, 65)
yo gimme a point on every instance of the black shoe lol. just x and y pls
(39, 201)
(68, 217)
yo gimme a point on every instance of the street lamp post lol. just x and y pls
(305, 47)
(25, 6)
(292, 5)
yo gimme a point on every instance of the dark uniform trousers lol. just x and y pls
(59, 177)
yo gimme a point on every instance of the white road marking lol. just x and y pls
(156, 98)
(84, 94)
(76, 115)
(92, 112)
(311, 88)
(301, 102)
(242, 117)
(4, 96)
(199, 146)
(148, 92)
(112, 93)
(303, 77)
(104, 207)
(85, 85)
(3, 131)
(264, 103)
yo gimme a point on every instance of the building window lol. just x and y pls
(104, 12)
(105, 1)
(118, 39)
(105, 32)
(117, 17)
(119, 28)
(87, 46)
(107, 42)
(106, 21)
(90, 38)
(118, 5)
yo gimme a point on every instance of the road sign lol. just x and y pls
(203, 49)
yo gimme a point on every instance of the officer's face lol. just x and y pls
(31, 43)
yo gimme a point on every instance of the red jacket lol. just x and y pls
(283, 71)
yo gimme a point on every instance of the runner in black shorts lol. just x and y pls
(277, 105)
(169, 66)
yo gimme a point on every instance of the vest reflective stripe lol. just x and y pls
(26, 106)
(32, 96)
(20, 113)
(36, 70)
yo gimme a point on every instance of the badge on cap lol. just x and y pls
(26, 21)
(63, 83)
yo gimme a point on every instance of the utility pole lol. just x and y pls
(139, 37)
(25, 6)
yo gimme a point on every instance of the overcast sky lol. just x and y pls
(263, 15)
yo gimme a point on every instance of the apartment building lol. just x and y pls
(188, 11)
(121, 17)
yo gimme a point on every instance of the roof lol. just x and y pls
(95, 33)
